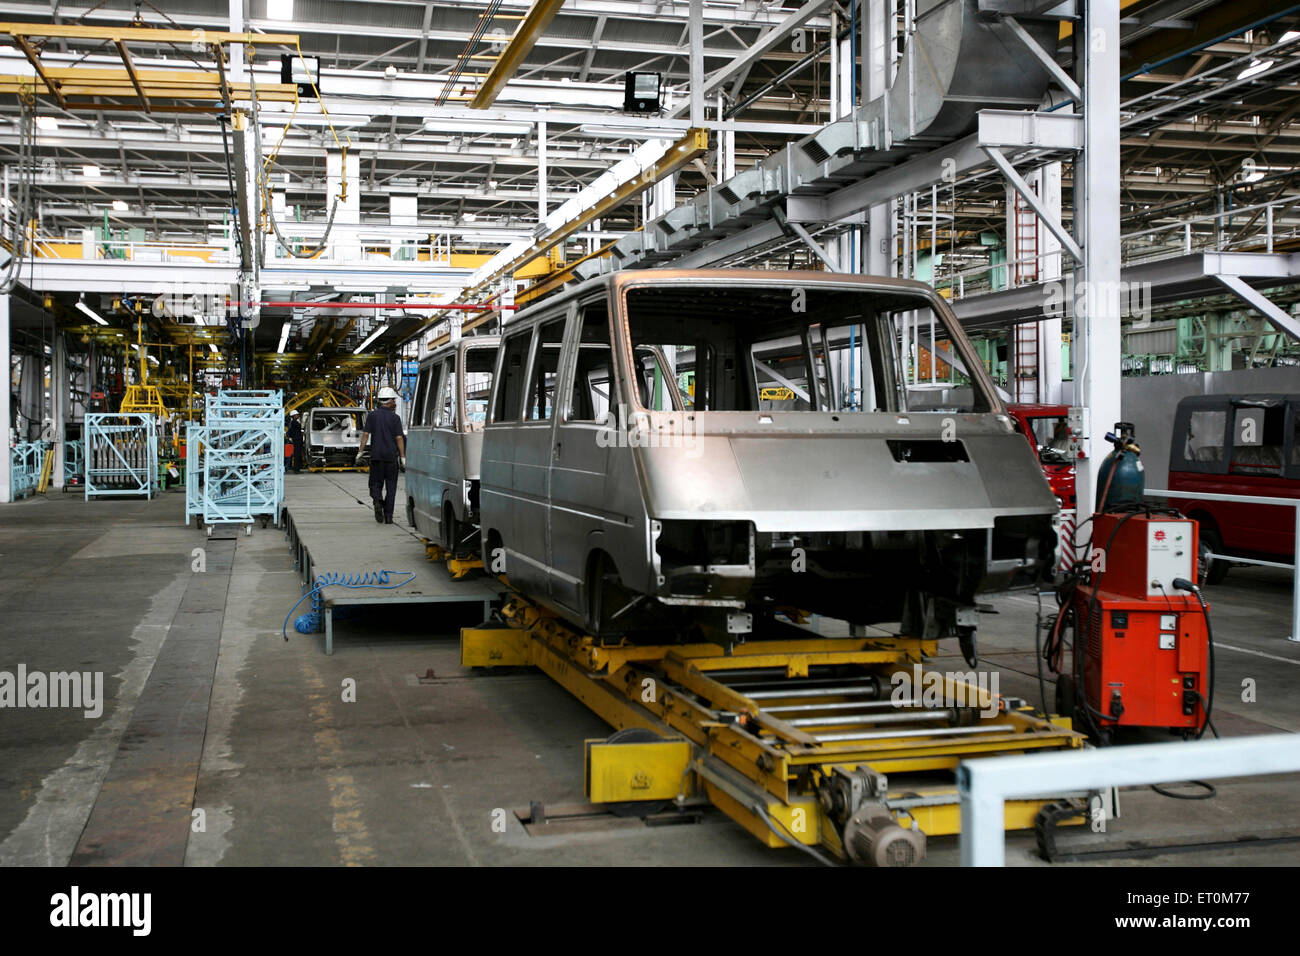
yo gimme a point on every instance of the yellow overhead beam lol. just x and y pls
(534, 24)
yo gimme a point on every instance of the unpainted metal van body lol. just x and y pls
(665, 441)
(445, 439)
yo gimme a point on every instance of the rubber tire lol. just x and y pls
(1217, 570)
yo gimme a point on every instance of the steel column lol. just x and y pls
(1097, 316)
(4, 397)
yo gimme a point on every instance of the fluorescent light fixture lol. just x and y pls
(359, 288)
(370, 338)
(91, 312)
(213, 346)
(47, 122)
(284, 336)
(119, 206)
(338, 120)
(279, 10)
(477, 126)
(1259, 66)
(1286, 38)
(620, 131)
(90, 172)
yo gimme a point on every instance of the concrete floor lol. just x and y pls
(208, 709)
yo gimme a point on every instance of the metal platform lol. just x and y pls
(332, 535)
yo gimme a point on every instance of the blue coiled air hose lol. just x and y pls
(310, 623)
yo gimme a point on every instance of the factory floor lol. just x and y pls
(220, 743)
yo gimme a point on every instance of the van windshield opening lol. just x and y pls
(789, 348)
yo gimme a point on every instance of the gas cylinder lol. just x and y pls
(1121, 479)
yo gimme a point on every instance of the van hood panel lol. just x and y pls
(798, 483)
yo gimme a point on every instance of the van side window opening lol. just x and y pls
(479, 366)
(510, 396)
(1257, 439)
(782, 348)
(1204, 438)
(421, 394)
(593, 373)
(446, 400)
(546, 364)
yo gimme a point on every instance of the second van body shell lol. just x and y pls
(445, 440)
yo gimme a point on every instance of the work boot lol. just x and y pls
(379, 512)
(388, 519)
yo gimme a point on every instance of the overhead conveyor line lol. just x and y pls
(807, 771)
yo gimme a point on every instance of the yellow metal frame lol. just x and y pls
(146, 88)
(533, 25)
(724, 745)
(143, 399)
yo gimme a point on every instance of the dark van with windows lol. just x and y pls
(1238, 445)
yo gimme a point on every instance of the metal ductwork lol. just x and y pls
(961, 58)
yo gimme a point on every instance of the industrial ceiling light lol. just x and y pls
(279, 10)
(47, 122)
(90, 172)
(81, 304)
(1259, 66)
(302, 70)
(641, 92)
(284, 336)
(477, 126)
(370, 338)
(120, 206)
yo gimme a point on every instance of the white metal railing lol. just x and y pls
(1185, 240)
(985, 785)
(1292, 503)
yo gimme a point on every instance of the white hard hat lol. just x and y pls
(293, 413)
(386, 393)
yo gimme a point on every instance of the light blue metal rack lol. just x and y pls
(74, 461)
(234, 470)
(25, 460)
(121, 454)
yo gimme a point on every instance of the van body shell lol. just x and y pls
(556, 492)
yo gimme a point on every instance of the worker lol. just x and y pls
(294, 434)
(387, 452)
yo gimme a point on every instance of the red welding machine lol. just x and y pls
(1144, 641)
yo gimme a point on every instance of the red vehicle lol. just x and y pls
(1047, 428)
(1238, 445)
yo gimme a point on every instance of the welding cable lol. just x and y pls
(1206, 792)
(366, 579)
(785, 836)
(1207, 700)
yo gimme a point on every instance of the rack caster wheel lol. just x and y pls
(248, 531)
(208, 529)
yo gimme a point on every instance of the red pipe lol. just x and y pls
(454, 306)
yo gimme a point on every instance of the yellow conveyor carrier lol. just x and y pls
(802, 740)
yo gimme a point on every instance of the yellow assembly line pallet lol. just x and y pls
(799, 740)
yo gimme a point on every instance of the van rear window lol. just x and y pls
(1204, 439)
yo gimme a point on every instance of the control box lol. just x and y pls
(1141, 556)
(1147, 662)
